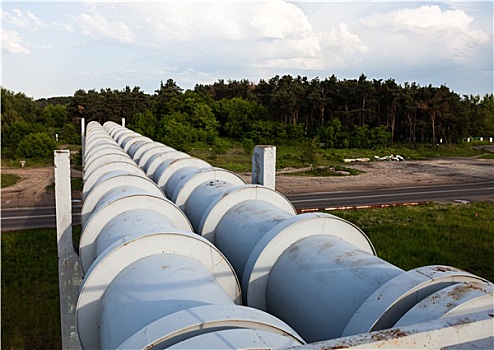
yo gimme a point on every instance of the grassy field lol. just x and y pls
(235, 159)
(30, 302)
(9, 180)
(459, 235)
(409, 237)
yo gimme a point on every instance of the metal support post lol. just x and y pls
(83, 139)
(69, 271)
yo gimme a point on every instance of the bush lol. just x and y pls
(248, 146)
(36, 146)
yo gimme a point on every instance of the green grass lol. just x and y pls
(30, 163)
(30, 302)
(293, 156)
(458, 235)
(75, 184)
(9, 180)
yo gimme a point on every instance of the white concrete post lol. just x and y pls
(123, 122)
(264, 166)
(69, 271)
(83, 140)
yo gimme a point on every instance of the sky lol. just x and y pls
(55, 48)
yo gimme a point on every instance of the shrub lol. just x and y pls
(36, 146)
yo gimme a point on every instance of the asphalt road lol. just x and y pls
(438, 193)
(41, 217)
(35, 217)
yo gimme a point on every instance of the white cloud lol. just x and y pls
(341, 45)
(281, 20)
(99, 26)
(445, 33)
(19, 19)
(65, 26)
(12, 42)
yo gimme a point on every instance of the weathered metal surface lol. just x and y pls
(240, 338)
(182, 325)
(458, 299)
(438, 334)
(394, 298)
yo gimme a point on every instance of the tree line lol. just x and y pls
(331, 113)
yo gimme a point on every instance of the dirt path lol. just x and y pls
(32, 191)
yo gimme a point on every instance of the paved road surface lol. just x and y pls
(467, 191)
(23, 218)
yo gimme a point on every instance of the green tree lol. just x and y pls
(70, 135)
(144, 123)
(54, 115)
(38, 146)
(13, 134)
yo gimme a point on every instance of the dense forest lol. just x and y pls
(332, 113)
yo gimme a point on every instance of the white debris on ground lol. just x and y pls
(396, 158)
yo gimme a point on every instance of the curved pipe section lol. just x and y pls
(144, 267)
(317, 272)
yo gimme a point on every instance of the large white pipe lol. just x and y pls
(316, 271)
(144, 267)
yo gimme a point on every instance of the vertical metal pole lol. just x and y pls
(123, 122)
(83, 140)
(69, 271)
(264, 166)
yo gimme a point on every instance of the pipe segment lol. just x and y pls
(121, 165)
(184, 181)
(167, 168)
(145, 147)
(111, 180)
(157, 159)
(317, 272)
(139, 254)
(155, 149)
(135, 145)
(100, 159)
